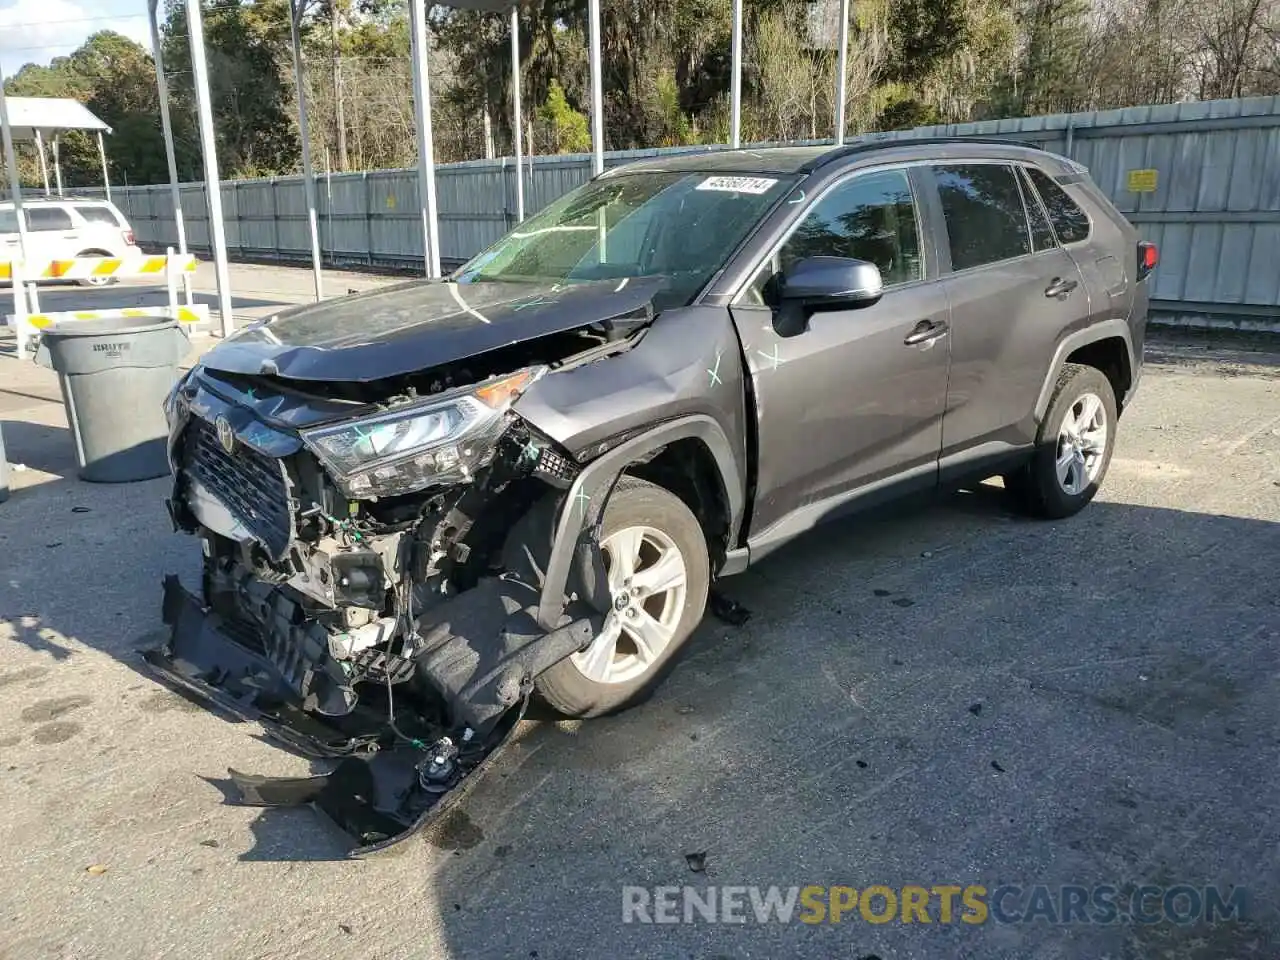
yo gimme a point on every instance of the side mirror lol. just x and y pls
(832, 282)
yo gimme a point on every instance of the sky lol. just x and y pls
(36, 31)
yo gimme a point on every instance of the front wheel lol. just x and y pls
(658, 571)
(1073, 448)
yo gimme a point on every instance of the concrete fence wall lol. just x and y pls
(1214, 211)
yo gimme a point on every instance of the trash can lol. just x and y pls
(4, 469)
(115, 373)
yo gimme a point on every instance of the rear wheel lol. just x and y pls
(658, 570)
(1073, 448)
(95, 281)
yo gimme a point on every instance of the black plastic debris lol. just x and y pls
(726, 610)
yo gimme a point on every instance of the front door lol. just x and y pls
(847, 398)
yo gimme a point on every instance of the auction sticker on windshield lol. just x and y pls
(738, 184)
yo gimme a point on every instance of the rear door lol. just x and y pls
(1013, 292)
(1099, 245)
(842, 400)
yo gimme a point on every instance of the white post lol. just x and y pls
(426, 155)
(735, 82)
(15, 185)
(44, 169)
(57, 165)
(167, 127)
(102, 155)
(304, 129)
(597, 95)
(841, 70)
(21, 327)
(212, 184)
(171, 281)
(515, 109)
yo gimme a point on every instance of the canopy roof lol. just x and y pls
(49, 115)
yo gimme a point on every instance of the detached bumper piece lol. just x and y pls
(382, 790)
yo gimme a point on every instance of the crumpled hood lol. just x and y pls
(420, 324)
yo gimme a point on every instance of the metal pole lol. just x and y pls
(597, 94)
(166, 126)
(212, 184)
(515, 109)
(426, 155)
(308, 175)
(841, 70)
(735, 82)
(57, 165)
(15, 185)
(44, 169)
(102, 155)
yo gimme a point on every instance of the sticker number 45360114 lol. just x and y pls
(738, 184)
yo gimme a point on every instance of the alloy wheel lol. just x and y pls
(647, 585)
(1082, 444)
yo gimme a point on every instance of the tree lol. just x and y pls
(248, 51)
(567, 127)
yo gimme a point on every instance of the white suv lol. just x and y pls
(65, 228)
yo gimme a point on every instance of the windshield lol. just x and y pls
(680, 226)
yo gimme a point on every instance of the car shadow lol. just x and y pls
(955, 694)
(962, 696)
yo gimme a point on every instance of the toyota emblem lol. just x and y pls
(226, 436)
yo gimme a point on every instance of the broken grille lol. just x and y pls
(252, 486)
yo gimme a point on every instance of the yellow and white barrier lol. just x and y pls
(196, 313)
(28, 319)
(89, 268)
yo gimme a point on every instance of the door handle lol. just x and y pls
(1060, 288)
(926, 331)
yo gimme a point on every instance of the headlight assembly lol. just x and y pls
(444, 440)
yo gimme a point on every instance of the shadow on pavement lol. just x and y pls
(1084, 702)
(38, 446)
(957, 695)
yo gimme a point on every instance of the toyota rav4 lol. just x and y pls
(421, 506)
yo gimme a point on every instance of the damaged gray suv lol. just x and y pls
(420, 507)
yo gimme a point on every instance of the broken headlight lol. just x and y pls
(438, 442)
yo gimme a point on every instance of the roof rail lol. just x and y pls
(864, 146)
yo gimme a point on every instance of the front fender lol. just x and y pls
(578, 523)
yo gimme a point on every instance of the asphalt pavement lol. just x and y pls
(947, 695)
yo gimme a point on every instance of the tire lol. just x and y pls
(1079, 428)
(96, 281)
(614, 671)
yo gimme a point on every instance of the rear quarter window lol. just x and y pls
(96, 213)
(1069, 221)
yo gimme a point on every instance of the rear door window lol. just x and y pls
(47, 218)
(985, 218)
(1069, 221)
(98, 214)
(1042, 237)
(8, 221)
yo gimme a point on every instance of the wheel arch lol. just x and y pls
(661, 449)
(1106, 346)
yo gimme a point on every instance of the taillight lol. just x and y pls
(1148, 258)
(128, 238)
